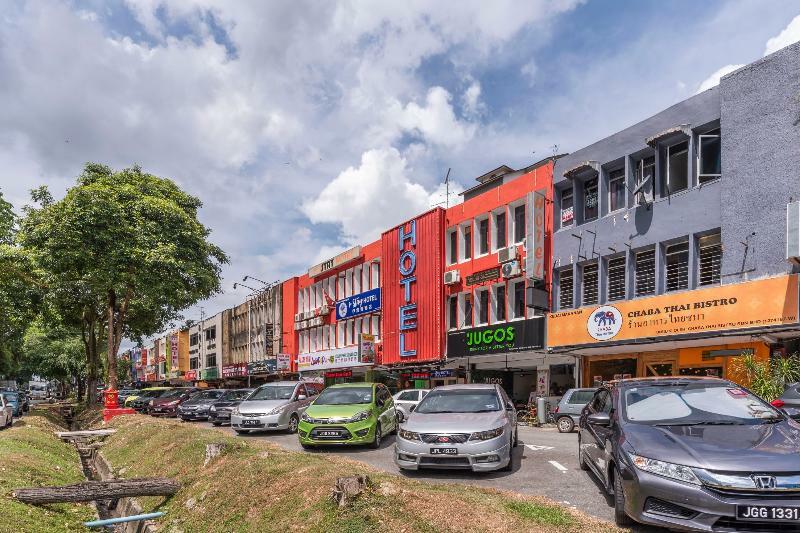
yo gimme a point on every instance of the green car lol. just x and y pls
(352, 413)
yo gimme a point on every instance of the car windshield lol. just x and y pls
(235, 395)
(207, 395)
(459, 401)
(272, 392)
(11, 396)
(151, 393)
(695, 404)
(38, 387)
(174, 393)
(344, 396)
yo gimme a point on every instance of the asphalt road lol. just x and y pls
(545, 464)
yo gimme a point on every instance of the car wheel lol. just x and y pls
(306, 446)
(216, 424)
(516, 437)
(377, 442)
(293, 423)
(620, 517)
(565, 424)
(242, 431)
(510, 466)
(400, 416)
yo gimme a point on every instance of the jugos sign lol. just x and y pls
(506, 337)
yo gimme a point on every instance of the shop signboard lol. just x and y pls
(333, 374)
(498, 338)
(269, 330)
(337, 261)
(535, 260)
(173, 348)
(442, 374)
(366, 347)
(283, 362)
(359, 304)
(235, 370)
(263, 366)
(751, 304)
(209, 373)
(191, 375)
(482, 276)
(420, 375)
(338, 358)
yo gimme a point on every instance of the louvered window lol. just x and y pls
(590, 284)
(646, 273)
(710, 248)
(616, 279)
(677, 261)
(565, 289)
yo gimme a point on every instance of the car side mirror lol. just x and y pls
(412, 407)
(509, 406)
(599, 419)
(301, 397)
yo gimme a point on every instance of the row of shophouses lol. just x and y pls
(668, 248)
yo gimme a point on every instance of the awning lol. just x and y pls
(585, 166)
(681, 128)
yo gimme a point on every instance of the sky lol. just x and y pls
(308, 127)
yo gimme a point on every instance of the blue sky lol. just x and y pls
(307, 127)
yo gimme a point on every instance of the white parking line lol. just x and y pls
(558, 465)
(537, 447)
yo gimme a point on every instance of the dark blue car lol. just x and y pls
(14, 400)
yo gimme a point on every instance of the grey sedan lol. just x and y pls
(459, 427)
(274, 406)
(6, 413)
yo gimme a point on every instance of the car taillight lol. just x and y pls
(556, 409)
(778, 403)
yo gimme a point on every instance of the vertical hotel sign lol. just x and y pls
(534, 263)
(407, 266)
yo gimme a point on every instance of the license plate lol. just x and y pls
(769, 513)
(251, 423)
(444, 451)
(327, 433)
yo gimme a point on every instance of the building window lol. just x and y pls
(467, 299)
(194, 363)
(590, 199)
(567, 207)
(466, 241)
(565, 289)
(376, 275)
(710, 259)
(194, 339)
(677, 261)
(677, 168)
(211, 333)
(452, 251)
(645, 177)
(482, 305)
(709, 156)
(616, 190)
(500, 303)
(519, 223)
(590, 290)
(482, 226)
(211, 360)
(616, 279)
(453, 312)
(646, 273)
(518, 302)
(500, 230)
(340, 327)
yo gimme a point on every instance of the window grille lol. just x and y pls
(677, 260)
(710, 259)
(616, 279)
(566, 283)
(590, 284)
(646, 273)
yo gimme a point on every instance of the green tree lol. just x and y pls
(766, 378)
(123, 252)
(55, 352)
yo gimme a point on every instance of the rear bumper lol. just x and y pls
(483, 456)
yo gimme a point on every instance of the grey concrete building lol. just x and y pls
(670, 236)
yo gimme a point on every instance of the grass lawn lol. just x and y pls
(30, 455)
(258, 486)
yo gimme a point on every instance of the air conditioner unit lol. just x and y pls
(793, 232)
(510, 269)
(504, 255)
(452, 277)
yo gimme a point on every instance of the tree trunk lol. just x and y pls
(90, 344)
(98, 490)
(111, 354)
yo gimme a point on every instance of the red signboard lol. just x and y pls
(420, 375)
(191, 375)
(413, 290)
(235, 370)
(333, 374)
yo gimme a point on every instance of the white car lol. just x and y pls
(6, 413)
(406, 399)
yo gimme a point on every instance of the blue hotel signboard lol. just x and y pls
(359, 304)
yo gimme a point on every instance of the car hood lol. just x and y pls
(206, 401)
(454, 422)
(227, 403)
(161, 401)
(762, 447)
(260, 406)
(337, 411)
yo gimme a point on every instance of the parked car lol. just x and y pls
(220, 412)
(124, 394)
(6, 412)
(697, 454)
(167, 403)
(13, 399)
(790, 400)
(274, 406)
(352, 413)
(140, 400)
(406, 399)
(568, 411)
(199, 404)
(459, 426)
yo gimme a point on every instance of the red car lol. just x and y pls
(167, 404)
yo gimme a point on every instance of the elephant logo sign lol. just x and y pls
(343, 309)
(604, 323)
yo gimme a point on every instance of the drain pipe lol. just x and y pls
(123, 519)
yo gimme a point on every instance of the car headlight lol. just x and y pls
(236, 411)
(150, 403)
(213, 409)
(486, 435)
(363, 415)
(278, 409)
(305, 418)
(663, 468)
(408, 435)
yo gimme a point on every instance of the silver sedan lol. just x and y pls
(459, 427)
(6, 413)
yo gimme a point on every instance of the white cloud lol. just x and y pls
(713, 80)
(370, 198)
(529, 70)
(436, 121)
(790, 35)
(471, 100)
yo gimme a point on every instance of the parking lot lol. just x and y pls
(545, 464)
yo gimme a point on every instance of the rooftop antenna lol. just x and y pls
(447, 188)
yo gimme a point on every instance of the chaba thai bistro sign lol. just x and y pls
(498, 338)
(359, 304)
